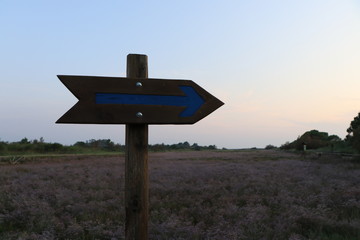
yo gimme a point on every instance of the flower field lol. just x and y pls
(257, 194)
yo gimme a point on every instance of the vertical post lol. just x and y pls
(136, 164)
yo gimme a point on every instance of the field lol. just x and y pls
(257, 194)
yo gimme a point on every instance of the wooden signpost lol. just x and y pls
(136, 101)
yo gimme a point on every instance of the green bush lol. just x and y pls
(313, 140)
(268, 147)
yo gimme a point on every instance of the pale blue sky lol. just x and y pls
(281, 67)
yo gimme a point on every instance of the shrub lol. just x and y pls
(268, 147)
(313, 140)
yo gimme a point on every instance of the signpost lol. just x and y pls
(136, 101)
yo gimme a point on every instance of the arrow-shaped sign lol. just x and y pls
(109, 100)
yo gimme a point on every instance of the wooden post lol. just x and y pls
(136, 164)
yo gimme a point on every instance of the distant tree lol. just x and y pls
(24, 141)
(356, 139)
(102, 144)
(53, 147)
(334, 138)
(106, 144)
(80, 144)
(158, 147)
(354, 125)
(212, 147)
(3, 146)
(353, 136)
(92, 143)
(185, 145)
(286, 146)
(268, 147)
(313, 139)
(196, 147)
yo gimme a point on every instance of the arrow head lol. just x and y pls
(193, 101)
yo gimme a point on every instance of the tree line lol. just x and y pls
(39, 146)
(315, 139)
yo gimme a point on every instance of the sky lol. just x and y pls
(281, 67)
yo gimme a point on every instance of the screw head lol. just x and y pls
(139, 114)
(139, 84)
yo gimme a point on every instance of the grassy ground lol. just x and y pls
(193, 195)
(39, 158)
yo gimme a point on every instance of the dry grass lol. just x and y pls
(193, 195)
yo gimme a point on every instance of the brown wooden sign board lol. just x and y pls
(116, 100)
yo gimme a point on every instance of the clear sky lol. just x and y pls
(281, 67)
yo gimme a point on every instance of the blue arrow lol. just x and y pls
(192, 100)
